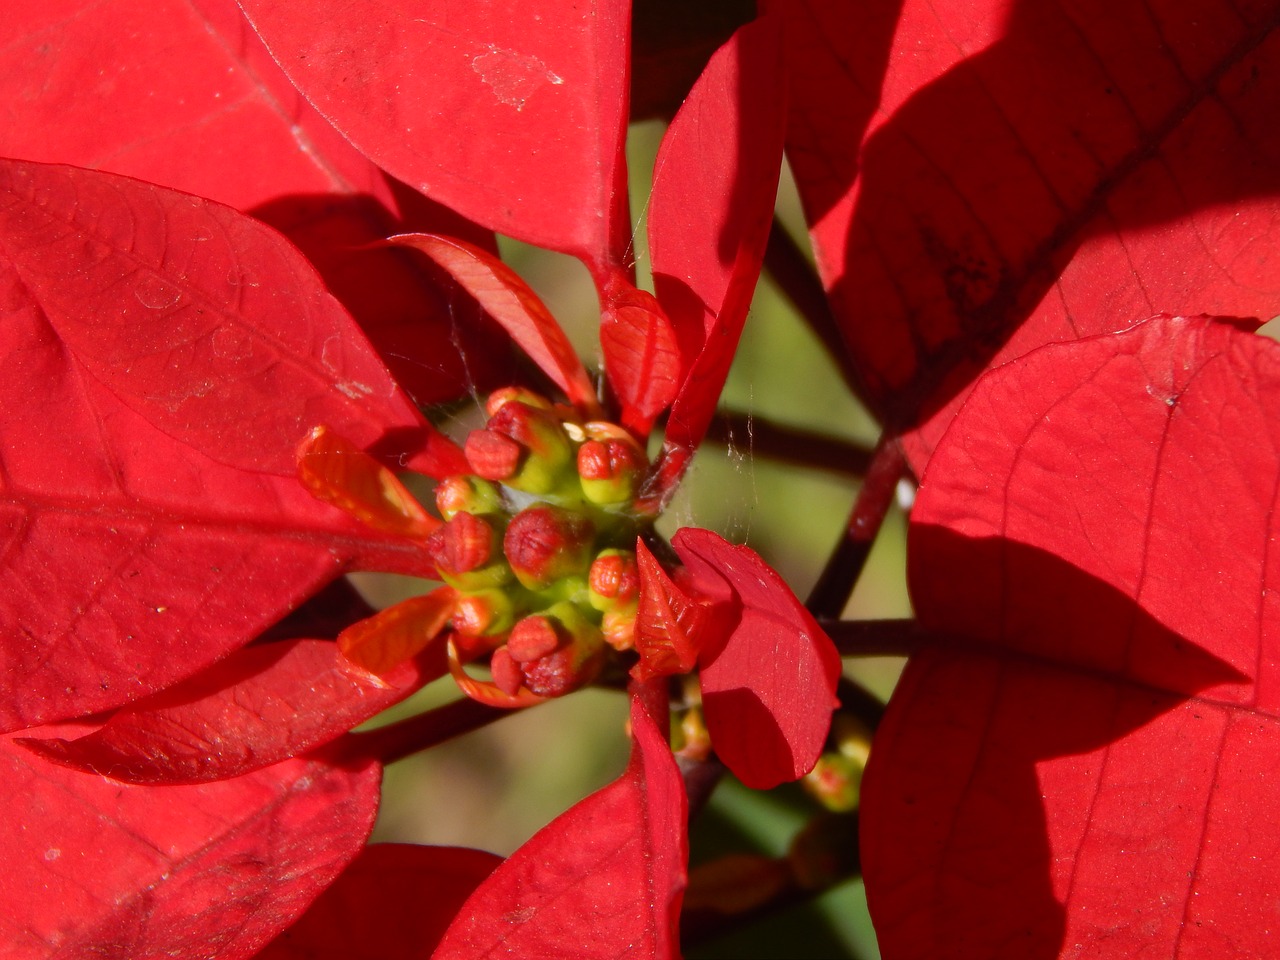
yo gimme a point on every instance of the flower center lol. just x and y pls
(539, 543)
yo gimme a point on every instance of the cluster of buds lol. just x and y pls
(836, 779)
(538, 543)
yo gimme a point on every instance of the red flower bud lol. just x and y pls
(469, 493)
(554, 652)
(614, 580)
(492, 455)
(545, 543)
(610, 467)
(483, 613)
(532, 638)
(507, 675)
(464, 553)
(504, 395)
(540, 433)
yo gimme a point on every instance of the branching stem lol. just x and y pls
(834, 587)
(423, 731)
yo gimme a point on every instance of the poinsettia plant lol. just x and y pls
(250, 280)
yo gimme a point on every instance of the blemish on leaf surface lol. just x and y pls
(512, 76)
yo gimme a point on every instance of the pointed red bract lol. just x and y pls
(394, 901)
(715, 181)
(603, 880)
(641, 355)
(384, 642)
(96, 868)
(1096, 777)
(1031, 174)
(510, 301)
(511, 113)
(670, 624)
(261, 705)
(768, 684)
(149, 510)
(339, 473)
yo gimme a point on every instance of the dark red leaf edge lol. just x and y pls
(515, 306)
(261, 705)
(395, 900)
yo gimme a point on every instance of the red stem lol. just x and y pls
(874, 638)
(831, 593)
(414, 734)
(805, 448)
(795, 277)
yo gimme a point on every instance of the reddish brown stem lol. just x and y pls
(805, 448)
(423, 731)
(831, 592)
(874, 638)
(795, 277)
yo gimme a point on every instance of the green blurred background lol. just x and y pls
(494, 788)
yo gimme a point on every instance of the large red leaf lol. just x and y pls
(183, 93)
(163, 356)
(1095, 779)
(102, 869)
(511, 113)
(715, 182)
(1032, 173)
(205, 323)
(395, 901)
(769, 680)
(603, 880)
(257, 707)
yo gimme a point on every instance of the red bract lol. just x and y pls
(769, 679)
(394, 900)
(1095, 775)
(532, 95)
(98, 868)
(603, 880)
(983, 179)
(239, 715)
(165, 527)
(184, 352)
(80, 84)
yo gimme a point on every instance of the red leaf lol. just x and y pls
(384, 642)
(394, 900)
(715, 182)
(103, 869)
(151, 522)
(174, 304)
(339, 473)
(79, 80)
(259, 706)
(542, 88)
(510, 301)
(1099, 775)
(1030, 178)
(670, 624)
(603, 880)
(185, 95)
(768, 690)
(641, 356)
